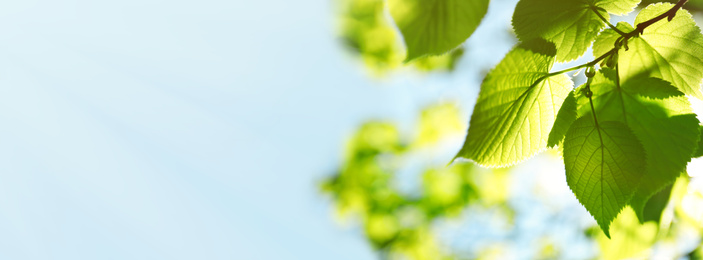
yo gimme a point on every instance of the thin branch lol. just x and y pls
(617, 83)
(668, 14)
(624, 36)
(590, 64)
(615, 28)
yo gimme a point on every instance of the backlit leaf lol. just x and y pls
(670, 50)
(661, 118)
(570, 24)
(516, 107)
(604, 164)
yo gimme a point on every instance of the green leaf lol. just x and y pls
(433, 27)
(516, 107)
(606, 39)
(618, 7)
(571, 25)
(662, 119)
(566, 116)
(699, 150)
(656, 205)
(670, 50)
(604, 163)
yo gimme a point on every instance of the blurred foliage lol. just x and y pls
(400, 222)
(369, 32)
(629, 238)
(368, 189)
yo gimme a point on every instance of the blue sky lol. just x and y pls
(173, 129)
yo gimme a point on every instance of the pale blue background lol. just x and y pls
(149, 129)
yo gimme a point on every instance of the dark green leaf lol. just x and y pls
(433, 27)
(661, 118)
(566, 116)
(604, 164)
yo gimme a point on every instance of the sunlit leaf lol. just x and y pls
(662, 119)
(516, 108)
(670, 50)
(571, 25)
(604, 163)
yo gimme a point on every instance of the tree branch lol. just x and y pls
(668, 14)
(625, 36)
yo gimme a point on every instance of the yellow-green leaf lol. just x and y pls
(571, 25)
(516, 108)
(604, 164)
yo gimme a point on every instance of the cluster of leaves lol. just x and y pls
(626, 135)
(628, 132)
(366, 30)
(398, 222)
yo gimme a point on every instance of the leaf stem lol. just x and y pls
(597, 11)
(593, 109)
(617, 83)
(590, 64)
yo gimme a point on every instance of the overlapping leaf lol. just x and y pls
(670, 50)
(433, 27)
(516, 107)
(661, 118)
(566, 116)
(699, 150)
(604, 163)
(570, 24)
